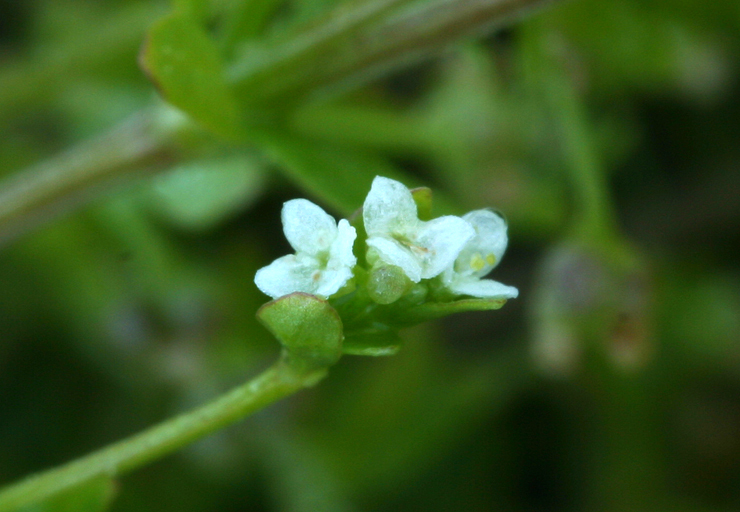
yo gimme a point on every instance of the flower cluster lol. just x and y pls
(453, 253)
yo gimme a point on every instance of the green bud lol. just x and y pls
(387, 283)
(309, 329)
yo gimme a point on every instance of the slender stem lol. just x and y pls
(349, 49)
(278, 381)
(588, 176)
(59, 184)
(593, 205)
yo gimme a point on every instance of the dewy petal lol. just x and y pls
(393, 252)
(484, 289)
(288, 274)
(439, 242)
(341, 249)
(308, 228)
(389, 208)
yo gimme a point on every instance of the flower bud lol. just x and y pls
(387, 283)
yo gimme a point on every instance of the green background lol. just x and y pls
(605, 131)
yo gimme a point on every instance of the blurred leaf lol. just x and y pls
(307, 327)
(337, 175)
(197, 9)
(185, 66)
(432, 310)
(372, 343)
(245, 20)
(94, 495)
(203, 193)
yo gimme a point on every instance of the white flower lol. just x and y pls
(422, 249)
(323, 260)
(478, 257)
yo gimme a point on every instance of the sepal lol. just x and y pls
(308, 328)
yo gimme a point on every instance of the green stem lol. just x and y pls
(278, 381)
(56, 185)
(588, 176)
(594, 214)
(351, 48)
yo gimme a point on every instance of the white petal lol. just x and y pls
(393, 252)
(484, 289)
(332, 280)
(488, 245)
(440, 242)
(389, 208)
(307, 227)
(286, 275)
(341, 248)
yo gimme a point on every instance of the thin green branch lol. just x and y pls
(278, 381)
(357, 50)
(547, 60)
(42, 192)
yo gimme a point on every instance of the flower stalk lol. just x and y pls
(278, 381)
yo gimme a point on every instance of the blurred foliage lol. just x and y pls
(606, 132)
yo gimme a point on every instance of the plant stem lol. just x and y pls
(381, 36)
(59, 184)
(278, 381)
(593, 205)
(348, 49)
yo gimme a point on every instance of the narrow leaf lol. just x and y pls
(372, 343)
(433, 310)
(339, 176)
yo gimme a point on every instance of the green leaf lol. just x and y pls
(94, 495)
(186, 67)
(246, 20)
(203, 193)
(309, 329)
(339, 176)
(372, 342)
(433, 310)
(197, 9)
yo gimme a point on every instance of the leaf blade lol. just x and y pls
(185, 66)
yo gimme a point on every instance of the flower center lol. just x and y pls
(417, 250)
(478, 262)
